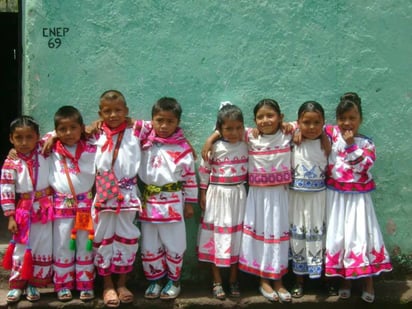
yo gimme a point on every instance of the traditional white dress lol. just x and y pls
(354, 243)
(223, 176)
(307, 200)
(116, 236)
(265, 240)
(72, 268)
(33, 214)
(168, 172)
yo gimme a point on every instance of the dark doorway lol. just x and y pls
(9, 76)
(10, 86)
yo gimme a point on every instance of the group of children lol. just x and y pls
(72, 211)
(308, 199)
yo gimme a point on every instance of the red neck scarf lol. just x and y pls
(60, 149)
(108, 145)
(31, 161)
(176, 138)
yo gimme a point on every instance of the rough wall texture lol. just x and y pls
(204, 52)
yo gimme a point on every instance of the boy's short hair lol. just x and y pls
(167, 104)
(112, 95)
(65, 112)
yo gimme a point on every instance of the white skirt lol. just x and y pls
(307, 231)
(221, 226)
(354, 243)
(265, 240)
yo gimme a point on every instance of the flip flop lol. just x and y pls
(64, 295)
(125, 296)
(110, 298)
(86, 295)
(14, 295)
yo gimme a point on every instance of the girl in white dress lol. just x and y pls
(354, 243)
(307, 197)
(265, 240)
(223, 199)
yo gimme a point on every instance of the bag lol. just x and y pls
(107, 187)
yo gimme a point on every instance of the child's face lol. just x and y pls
(349, 121)
(24, 139)
(165, 123)
(311, 125)
(232, 131)
(113, 112)
(268, 120)
(69, 131)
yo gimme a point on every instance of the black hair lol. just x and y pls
(228, 112)
(112, 95)
(267, 102)
(348, 101)
(68, 112)
(311, 106)
(167, 104)
(24, 121)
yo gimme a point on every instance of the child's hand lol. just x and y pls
(130, 122)
(287, 128)
(255, 132)
(94, 127)
(13, 154)
(48, 145)
(12, 226)
(208, 145)
(349, 137)
(188, 211)
(325, 144)
(202, 199)
(297, 137)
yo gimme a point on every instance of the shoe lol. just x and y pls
(153, 291)
(218, 291)
(271, 296)
(368, 297)
(14, 295)
(284, 297)
(345, 290)
(332, 290)
(344, 293)
(64, 295)
(86, 295)
(297, 290)
(32, 293)
(234, 289)
(170, 291)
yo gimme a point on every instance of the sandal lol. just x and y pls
(64, 295)
(86, 295)
(297, 290)
(332, 289)
(368, 297)
(271, 296)
(125, 296)
(153, 291)
(284, 297)
(110, 298)
(14, 295)
(218, 291)
(171, 290)
(234, 289)
(345, 291)
(32, 293)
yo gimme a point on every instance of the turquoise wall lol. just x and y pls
(204, 52)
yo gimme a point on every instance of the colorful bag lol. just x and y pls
(106, 186)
